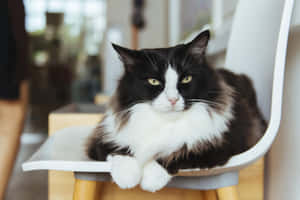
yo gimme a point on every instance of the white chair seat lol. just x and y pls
(58, 153)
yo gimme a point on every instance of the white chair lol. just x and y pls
(61, 152)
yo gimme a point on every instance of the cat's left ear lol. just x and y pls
(197, 47)
(127, 56)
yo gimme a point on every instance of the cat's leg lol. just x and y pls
(155, 177)
(125, 170)
(203, 160)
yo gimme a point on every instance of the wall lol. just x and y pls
(156, 15)
(283, 177)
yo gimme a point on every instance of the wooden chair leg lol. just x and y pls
(86, 190)
(12, 117)
(210, 195)
(228, 193)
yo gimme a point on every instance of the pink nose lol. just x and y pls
(173, 100)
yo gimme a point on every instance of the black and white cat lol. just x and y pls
(173, 111)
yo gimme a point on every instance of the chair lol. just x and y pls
(58, 153)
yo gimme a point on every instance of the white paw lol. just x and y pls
(155, 177)
(125, 171)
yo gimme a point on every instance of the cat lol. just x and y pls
(173, 111)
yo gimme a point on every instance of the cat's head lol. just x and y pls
(169, 79)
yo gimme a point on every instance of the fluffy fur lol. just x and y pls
(190, 116)
(155, 177)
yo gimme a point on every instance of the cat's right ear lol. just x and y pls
(198, 46)
(127, 56)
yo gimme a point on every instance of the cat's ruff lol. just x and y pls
(150, 133)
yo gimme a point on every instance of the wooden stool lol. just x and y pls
(91, 190)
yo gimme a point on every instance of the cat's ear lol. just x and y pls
(197, 47)
(127, 56)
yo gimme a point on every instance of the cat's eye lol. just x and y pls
(153, 81)
(186, 79)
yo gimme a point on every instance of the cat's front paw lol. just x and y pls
(155, 177)
(125, 171)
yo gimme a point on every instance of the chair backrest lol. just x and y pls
(273, 79)
(252, 45)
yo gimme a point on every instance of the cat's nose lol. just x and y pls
(173, 100)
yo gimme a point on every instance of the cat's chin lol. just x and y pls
(168, 110)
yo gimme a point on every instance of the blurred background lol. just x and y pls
(72, 61)
(70, 55)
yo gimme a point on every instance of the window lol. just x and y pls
(75, 11)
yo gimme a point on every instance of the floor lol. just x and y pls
(29, 185)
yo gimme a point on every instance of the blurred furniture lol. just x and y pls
(137, 22)
(101, 99)
(12, 117)
(62, 183)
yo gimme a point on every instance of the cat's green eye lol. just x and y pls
(186, 79)
(153, 81)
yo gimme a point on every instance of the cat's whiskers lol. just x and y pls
(204, 101)
(233, 92)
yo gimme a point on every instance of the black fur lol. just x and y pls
(98, 150)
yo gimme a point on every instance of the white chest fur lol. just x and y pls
(149, 133)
